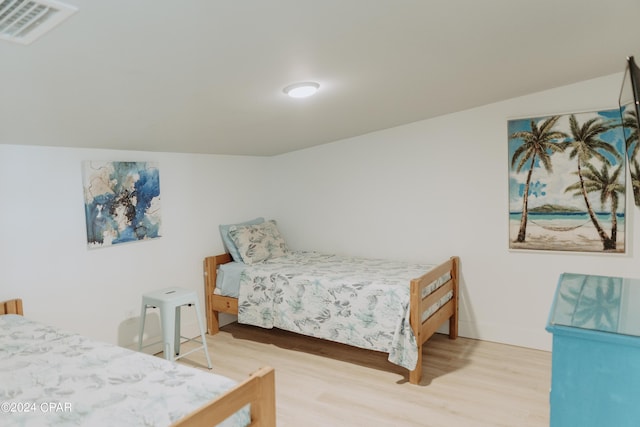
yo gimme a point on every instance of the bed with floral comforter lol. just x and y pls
(383, 305)
(50, 377)
(356, 301)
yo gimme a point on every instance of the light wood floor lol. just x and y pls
(466, 383)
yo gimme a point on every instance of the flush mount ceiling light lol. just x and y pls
(301, 90)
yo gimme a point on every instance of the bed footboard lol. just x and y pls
(257, 390)
(423, 330)
(215, 304)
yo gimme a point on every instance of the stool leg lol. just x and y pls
(176, 341)
(143, 315)
(202, 331)
(168, 331)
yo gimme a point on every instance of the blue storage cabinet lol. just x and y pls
(595, 378)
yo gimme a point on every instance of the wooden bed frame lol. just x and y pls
(257, 390)
(216, 304)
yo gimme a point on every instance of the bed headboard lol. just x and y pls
(13, 306)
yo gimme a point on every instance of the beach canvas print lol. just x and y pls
(567, 183)
(122, 202)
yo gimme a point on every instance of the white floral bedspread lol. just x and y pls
(355, 301)
(50, 377)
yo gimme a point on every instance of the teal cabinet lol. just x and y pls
(595, 378)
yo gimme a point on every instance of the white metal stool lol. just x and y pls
(170, 301)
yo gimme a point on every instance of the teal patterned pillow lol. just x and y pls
(226, 238)
(259, 242)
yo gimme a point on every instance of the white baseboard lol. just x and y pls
(538, 338)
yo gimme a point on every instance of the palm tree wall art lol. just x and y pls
(567, 183)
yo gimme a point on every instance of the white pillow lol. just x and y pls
(259, 242)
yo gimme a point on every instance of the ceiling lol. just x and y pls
(206, 76)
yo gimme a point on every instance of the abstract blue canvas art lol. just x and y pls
(121, 201)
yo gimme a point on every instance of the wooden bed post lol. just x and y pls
(453, 320)
(13, 306)
(211, 307)
(213, 323)
(415, 319)
(264, 409)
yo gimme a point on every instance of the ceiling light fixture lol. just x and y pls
(301, 90)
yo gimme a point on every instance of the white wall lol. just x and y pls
(421, 192)
(437, 188)
(43, 253)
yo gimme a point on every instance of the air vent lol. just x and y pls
(23, 21)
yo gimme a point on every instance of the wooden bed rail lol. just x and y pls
(13, 306)
(258, 390)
